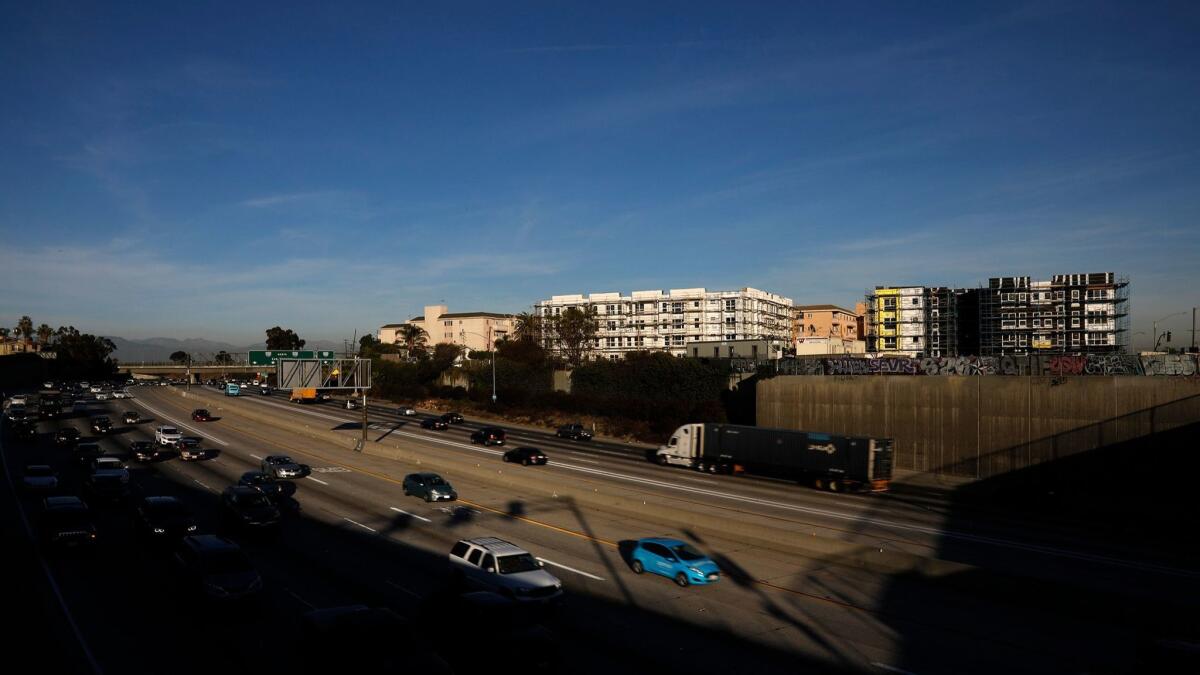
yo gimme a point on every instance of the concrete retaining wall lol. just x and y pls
(981, 426)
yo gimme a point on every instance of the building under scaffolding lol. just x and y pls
(1068, 314)
(913, 321)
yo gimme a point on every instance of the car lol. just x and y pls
(164, 518)
(47, 385)
(108, 480)
(324, 396)
(452, 418)
(39, 478)
(144, 451)
(201, 415)
(361, 639)
(274, 489)
(525, 456)
(167, 435)
(95, 389)
(488, 436)
(575, 432)
(493, 564)
(351, 404)
(406, 411)
(429, 486)
(106, 462)
(216, 568)
(101, 424)
(282, 466)
(66, 522)
(119, 393)
(25, 429)
(102, 396)
(674, 559)
(86, 452)
(16, 412)
(435, 423)
(130, 417)
(265, 391)
(189, 448)
(247, 507)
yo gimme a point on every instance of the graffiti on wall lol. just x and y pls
(1056, 365)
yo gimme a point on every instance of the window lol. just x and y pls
(716, 352)
(730, 336)
(731, 305)
(1075, 295)
(677, 324)
(916, 301)
(1074, 322)
(459, 549)
(729, 321)
(696, 304)
(1021, 323)
(678, 340)
(677, 308)
(474, 557)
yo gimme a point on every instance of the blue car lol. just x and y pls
(676, 560)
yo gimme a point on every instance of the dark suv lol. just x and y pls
(488, 436)
(163, 518)
(249, 508)
(66, 522)
(576, 432)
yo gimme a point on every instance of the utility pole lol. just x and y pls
(1193, 329)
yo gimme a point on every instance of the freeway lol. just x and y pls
(782, 607)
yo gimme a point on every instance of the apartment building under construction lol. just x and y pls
(912, 321)
(671, 321)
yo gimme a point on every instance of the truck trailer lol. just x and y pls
(825, 461)
(305, 395)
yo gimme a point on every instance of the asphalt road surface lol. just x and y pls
(812, 581)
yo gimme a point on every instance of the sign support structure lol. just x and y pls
(327, 373)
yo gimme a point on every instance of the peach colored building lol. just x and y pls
(825, 321)
(476, 331)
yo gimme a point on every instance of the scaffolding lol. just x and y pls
(1067, 314)
(914, 321)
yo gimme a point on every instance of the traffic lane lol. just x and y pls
(763, 621)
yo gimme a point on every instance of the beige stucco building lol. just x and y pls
(826, 329)
(476, 331)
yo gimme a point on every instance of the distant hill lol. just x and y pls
(160, 349)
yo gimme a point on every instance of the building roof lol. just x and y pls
(808, 307)
(392, 325)
(467, 315)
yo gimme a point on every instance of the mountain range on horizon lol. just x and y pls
(158, 349)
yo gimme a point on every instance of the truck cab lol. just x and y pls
(682, 448)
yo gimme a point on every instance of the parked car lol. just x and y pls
(144, 451)
(164, 518)
(39, 478)
(493, 564)
(282, 466)
(526, 456)
(674, 559)
(452, 418)
(130, 417)
(189, 449)
(247, 507)
(101, 424)
(488, 436)
(576, 432)
(429, 486)
(216, 568)
(66, 522)
(201, 415)
(167, 436)
(435, 423)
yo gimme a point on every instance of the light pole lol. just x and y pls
(492, 351)
(1156, 335)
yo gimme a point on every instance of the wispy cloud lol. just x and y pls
(288, 198)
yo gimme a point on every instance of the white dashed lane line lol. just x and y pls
(203, 485)
(412, 515)
(371, 529)
(317, 480)
(255, 456)
(572, 569)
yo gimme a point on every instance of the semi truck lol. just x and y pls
(308, 395)
(825, 461)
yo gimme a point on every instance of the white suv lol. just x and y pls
(501, 567)
(167, 436)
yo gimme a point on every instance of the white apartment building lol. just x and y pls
(671, 321)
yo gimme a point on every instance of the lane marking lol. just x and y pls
(398, 587)
(360, 525)
(836, 515)
(203, 485)
(160, 414)
(892, 669)
(411, 515)
(571, 569)
(300, 599)
(255, 456)
(317, 479)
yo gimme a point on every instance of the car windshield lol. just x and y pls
(283, 460)
(686, 552)
(201, 412)
(253, 500)
(436, 480)
(514, 564)
(170, 430)
(226, 562)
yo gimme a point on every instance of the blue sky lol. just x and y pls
(212, 170)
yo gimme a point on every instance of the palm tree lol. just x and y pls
(25, 327)
(528, 326)
(44, 332)
(412, 335)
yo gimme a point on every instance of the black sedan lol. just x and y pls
(436, 423)
(526, 456)
(164, 518)
(66, 436)
(275, 489)
(101, 424)
(130, 417)
(249, 508)
(143, 451)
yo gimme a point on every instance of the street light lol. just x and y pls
(1156, 335)
(492, 350)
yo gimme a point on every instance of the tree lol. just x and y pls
(180, 357)
(412, 335)
(4, 333)
(279, 338)
(575, 333)
(44, 333)
(528, 327)
(223, 357)
(25, 327)
(521, 351)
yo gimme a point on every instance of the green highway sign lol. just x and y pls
(269, 357)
